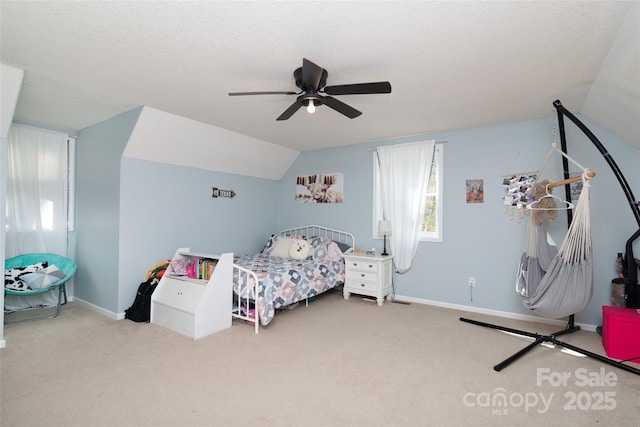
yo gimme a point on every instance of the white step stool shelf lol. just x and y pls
(195, 307)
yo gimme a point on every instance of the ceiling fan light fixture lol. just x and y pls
(311, 108)
(310, 101)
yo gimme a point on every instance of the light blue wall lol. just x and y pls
(138, 212)
(479, 239)
(132, 214)
(612, 221)
(98, 152)
(166, 207)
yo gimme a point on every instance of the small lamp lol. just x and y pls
(384, 228)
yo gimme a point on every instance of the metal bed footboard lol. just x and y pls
(246, 276)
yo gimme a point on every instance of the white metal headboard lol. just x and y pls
(319, 230)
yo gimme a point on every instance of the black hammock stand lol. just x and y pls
(632, 290)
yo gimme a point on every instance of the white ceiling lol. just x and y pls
(452, 64)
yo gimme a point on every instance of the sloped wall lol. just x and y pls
(614, 98)
(11, 81)
(167, 138)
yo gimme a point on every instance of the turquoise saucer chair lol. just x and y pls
(67, 266)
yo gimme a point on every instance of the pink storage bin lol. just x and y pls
(621, 332)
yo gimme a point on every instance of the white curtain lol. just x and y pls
(37, 197)
(404, 177)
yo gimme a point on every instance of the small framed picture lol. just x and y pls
(475, 191)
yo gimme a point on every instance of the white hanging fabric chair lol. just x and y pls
(558, 283)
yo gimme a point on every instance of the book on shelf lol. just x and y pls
(204, 268)
(194, 268)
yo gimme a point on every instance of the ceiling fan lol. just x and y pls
(311, 79)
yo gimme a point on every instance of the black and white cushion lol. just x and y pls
(12, 276)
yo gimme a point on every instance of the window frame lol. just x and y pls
(71, 183)
(434, 237)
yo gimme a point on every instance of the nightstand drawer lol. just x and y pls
(362, 266)
(355, 285)
(362, 276)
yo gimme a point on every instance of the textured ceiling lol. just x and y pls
(452, 65)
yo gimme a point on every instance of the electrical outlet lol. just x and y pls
(472, 282)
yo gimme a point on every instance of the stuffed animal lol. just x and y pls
(543, 205)
(299, 249)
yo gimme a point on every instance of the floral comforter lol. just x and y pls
(285, 281)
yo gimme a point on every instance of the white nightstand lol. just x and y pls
(368, 275)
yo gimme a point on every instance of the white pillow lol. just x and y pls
(281, 247)
(299, 249)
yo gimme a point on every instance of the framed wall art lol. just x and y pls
(475, 191)
(320, 188)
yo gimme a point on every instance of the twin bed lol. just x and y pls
(296, 264)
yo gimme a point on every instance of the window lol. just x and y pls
(40, 187)
(432, 224)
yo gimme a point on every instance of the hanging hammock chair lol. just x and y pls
(558, 283)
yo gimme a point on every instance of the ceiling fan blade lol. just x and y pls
(290, 111)
(261, 93)
(341, 107)
(359, 88)
(311, 74)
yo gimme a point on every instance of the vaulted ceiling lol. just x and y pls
(451, 64)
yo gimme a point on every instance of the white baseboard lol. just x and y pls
(3, 343)
(108, 313)
(497, 313)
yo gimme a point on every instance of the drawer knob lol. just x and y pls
(355, 264)
(362, 284)
(361, 274)
(370, 265)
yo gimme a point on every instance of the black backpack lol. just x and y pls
(140, 310)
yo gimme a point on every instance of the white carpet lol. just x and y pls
(334, 363)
